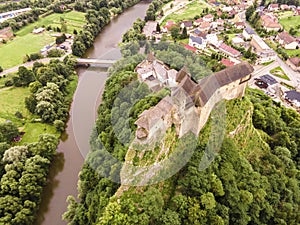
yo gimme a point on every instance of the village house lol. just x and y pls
(286, 40)
(238, 41)
(197, 22)
(273, 7)
(248, 33)
(227, 62)
(294, 63)
(197, 42)
(284, 7)
(186, 24)
(293, 97)
(263, 51)
(208, 18)
(204, 27)
(38, 30)
(190, 103)
(229, 50)
(270, 23)
(168, 26)
(239, 25)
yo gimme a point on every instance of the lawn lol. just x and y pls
(75, 20)
(289, 22)
(278, 72)
(188, 13)
(13, 100)
(285, 14)
(293, 53)
(12, 53)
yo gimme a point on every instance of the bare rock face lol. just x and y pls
(141, 133)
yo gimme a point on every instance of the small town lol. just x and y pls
(149, 112)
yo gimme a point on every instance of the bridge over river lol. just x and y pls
(104, 63)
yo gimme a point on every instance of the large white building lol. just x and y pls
(264, 52)
(12, 14)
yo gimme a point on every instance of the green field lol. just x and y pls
(12, 53)
(293, 53)
(75, 20)
(188, 13)
(289, 22)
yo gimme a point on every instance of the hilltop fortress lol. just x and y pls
(191, 102)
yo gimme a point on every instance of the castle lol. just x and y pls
(191, 102)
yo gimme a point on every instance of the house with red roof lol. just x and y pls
(270, 23)
(168, 26)
(204, 27)
(208, 18)
(227, 62)
(197, 22)
(229, 50)
(286, 40)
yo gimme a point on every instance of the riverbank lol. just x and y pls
(64, 173)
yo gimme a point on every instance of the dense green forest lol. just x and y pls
(253, 180)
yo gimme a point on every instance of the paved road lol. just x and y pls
(27, 64)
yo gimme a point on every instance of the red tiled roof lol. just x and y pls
(227, 62)
(188, 47)
(229, 49)
(205, 25)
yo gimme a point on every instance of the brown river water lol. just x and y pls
(74, 145)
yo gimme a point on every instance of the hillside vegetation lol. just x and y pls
(254, 178)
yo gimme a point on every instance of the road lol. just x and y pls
(27, 64)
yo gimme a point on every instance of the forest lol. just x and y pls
(254, 178)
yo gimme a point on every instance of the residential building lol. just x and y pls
(273, 7)
(168, 26)
(6, 33)
(197, 22)
(227, 62)
(38, 30)
(186, 24)
(293, 97)
(263, 51)
(212, 38)
(248, 33)
(197, 42)
(270, 23)
(239, 25)
(229, 51)
(208, 18)
(284, 7)
(238, 41)
(294, 63)
(286, 40)
(204, 27)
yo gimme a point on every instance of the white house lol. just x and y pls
(197, 42)
(286, 40)
(248, 33)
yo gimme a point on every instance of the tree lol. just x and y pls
(184, 34)
(1, 69)
(25, 76)
(8, 131)
(175, 32)
(158, 28)
(15, 154)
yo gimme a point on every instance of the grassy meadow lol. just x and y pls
(187, 13)
(289, 22)
(12, 53)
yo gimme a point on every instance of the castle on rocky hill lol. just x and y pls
(191, 102)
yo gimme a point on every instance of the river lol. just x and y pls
(74, 145)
